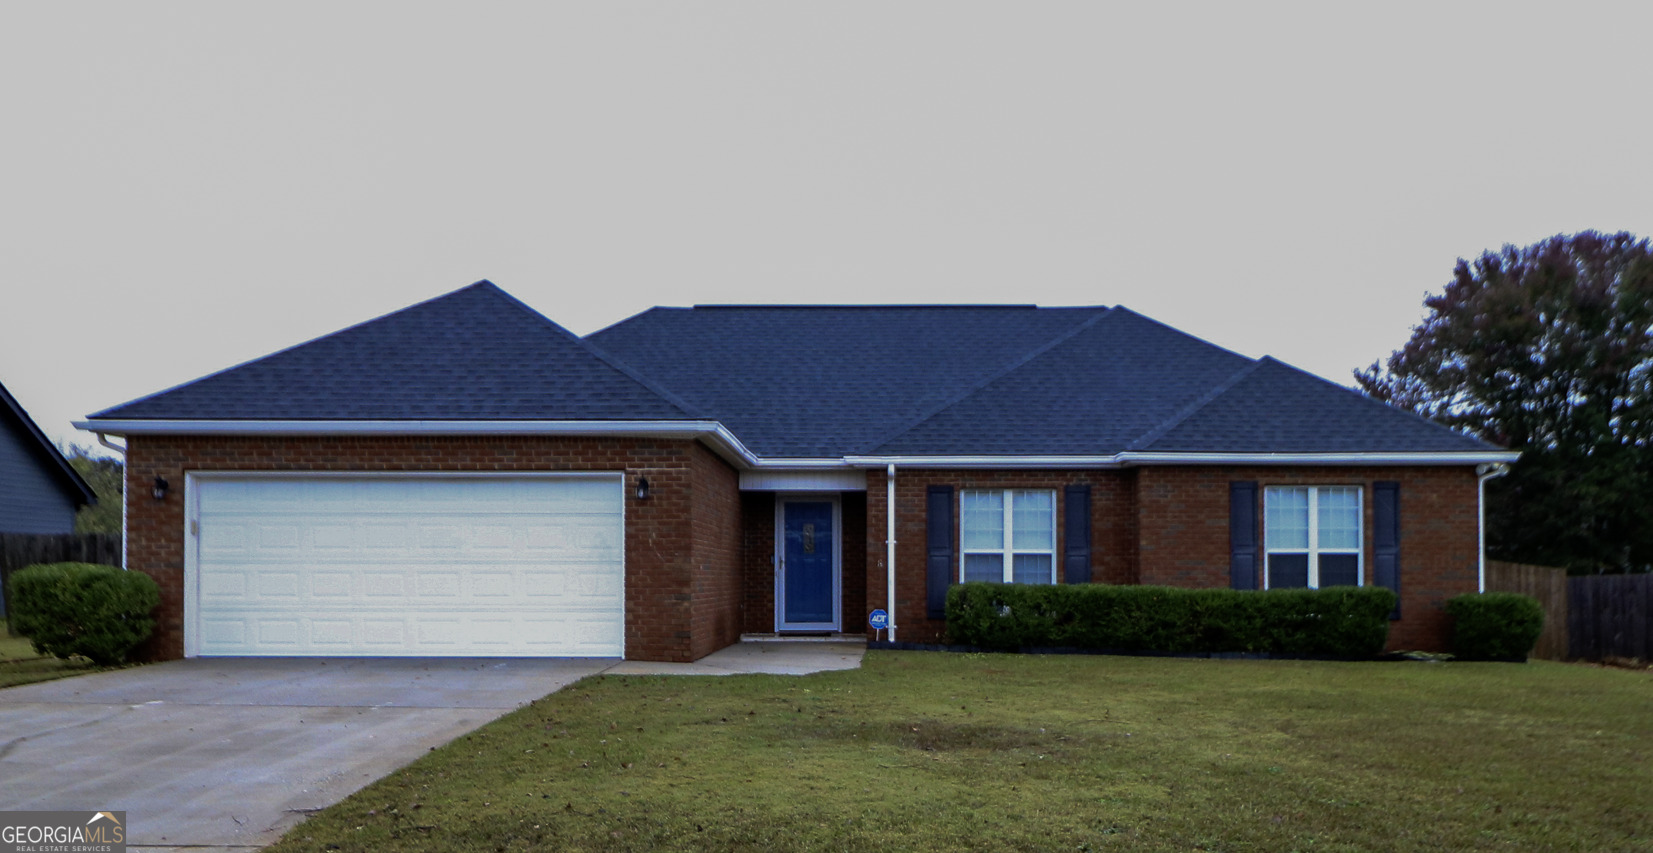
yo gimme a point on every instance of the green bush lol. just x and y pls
(1494, 625)
(1347, 622)
(98, 612)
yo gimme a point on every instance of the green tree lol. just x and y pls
(1547, 349)
(106, 476)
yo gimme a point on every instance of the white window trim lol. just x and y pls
(1008, 552)
(1314, 550)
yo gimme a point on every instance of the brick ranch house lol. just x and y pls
(466, 477)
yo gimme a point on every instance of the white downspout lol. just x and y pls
(104, 440)
(1484, 472)
(889, 545)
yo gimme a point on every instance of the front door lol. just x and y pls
(806, 574)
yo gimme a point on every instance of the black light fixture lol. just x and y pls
(642, 488)
(160, 488)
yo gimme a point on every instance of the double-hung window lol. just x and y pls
(1312, 534)
(1007, 535)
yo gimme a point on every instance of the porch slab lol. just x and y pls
(771, 657)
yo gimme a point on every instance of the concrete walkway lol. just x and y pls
(230, 753)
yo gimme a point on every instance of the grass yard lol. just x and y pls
(925, 751)
(20, 665)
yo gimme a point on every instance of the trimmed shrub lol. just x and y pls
(1494, 625)
(1344, 622)
(98, 612)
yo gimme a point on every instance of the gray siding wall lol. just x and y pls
(31, 498)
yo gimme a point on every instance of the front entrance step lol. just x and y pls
(804, 637)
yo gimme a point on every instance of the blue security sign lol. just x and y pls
(879, 620)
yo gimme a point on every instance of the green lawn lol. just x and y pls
(925, 751)
(20, 665)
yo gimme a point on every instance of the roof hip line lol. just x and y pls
(630, 372)
(1146, 440)
(971, 391)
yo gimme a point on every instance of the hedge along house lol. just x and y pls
(465, 477)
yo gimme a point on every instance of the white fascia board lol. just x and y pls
(719, 437)
(1128, 459)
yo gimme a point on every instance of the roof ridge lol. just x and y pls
(1144, 441)
(865, 306)
(61, 464)
(625, 369)
(989, 379)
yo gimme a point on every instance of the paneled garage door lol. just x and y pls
(406, 565)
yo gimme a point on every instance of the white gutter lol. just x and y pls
(889, 545)
(1128, 458)
(104, 440)
(733, 448)
(1483, 473)
(716, 433)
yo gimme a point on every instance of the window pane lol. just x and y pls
(1034, 514)
(984, 567)
(1287, 519)
(1340, 518)
(1032, 568)
(1288, 571)
(1339, 570)
(981, 525)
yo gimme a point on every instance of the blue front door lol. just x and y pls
(809, 567)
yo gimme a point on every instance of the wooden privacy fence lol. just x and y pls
(1611, 616)
(24, 549)
(1549, 586)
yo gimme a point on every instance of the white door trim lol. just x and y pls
(837, 562)
(192, 515)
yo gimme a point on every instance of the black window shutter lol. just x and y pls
(1242, 535)
(1386, 539)
(938, 567)
(1076, 548)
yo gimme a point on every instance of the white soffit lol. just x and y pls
(853, 480)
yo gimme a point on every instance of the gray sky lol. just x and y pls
(188, 186)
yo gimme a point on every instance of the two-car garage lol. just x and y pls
(405, 564)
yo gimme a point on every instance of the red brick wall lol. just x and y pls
(663, 553)
(1169, 525)
(1113, 550)
(717, 568)
(1182, 516)
(758, 514)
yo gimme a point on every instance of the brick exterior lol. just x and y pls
(698, 550)
(682, 544)
(1169, 525)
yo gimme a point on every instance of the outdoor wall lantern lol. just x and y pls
(160, 488)
(642, 488)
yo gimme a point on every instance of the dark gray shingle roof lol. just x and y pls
(476, 353)
(996, 380)
(828, 380)
(817, 381)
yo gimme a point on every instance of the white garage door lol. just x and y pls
(485, 566)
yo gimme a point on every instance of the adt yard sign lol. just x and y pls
(879, 620)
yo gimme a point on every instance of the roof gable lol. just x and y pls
(29, 435)
(476, 353)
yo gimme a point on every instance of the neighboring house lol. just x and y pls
(465, 477)
(39, 492)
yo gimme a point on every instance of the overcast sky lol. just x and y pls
(188, 186)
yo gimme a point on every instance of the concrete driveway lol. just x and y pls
(232, 752)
